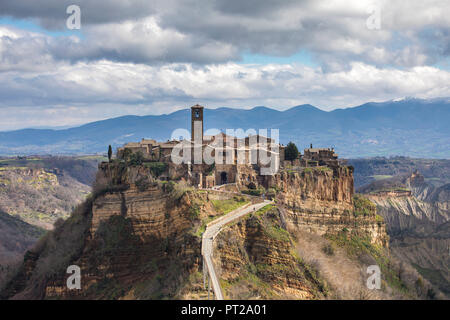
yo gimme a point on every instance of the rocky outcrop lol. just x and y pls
(138, 237)
(417, 219)
(322, 189)
(135, 233)
(417, 207)
(134, 228)
(320, 200)
(255, 258)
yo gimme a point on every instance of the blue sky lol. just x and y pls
(32, 26)
(302, 57)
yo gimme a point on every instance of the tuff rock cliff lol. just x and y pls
(417, 215)
(140, 238)
(290, 250)
(321, 201)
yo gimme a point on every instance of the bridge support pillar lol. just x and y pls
(209, 286)
(204, 274)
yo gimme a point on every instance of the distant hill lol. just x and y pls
(436, 172)
(41, 190)
(16, 236)
(410, 127)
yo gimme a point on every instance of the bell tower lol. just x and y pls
(197, 123)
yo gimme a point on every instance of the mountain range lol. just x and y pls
(408, 127)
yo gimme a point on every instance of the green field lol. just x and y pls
(381, 177)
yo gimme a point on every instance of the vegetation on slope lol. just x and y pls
(264, 264)
(16, 237)
(41, 190)
(52, 254)
(363, 206)
(398, 280)
(225, 206)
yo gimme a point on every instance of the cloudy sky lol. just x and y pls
(153, 57)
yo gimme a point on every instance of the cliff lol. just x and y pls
(140, 238)
(256, 258)
(127, 233)
(320, 201)
(417, 217)
(135, 238)
(39, 196)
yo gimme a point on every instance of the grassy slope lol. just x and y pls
(16, 237)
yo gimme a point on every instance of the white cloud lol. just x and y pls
(160, 56)
(167, 31)
(103, 89)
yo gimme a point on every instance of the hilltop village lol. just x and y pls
(155, 226)
(236, 160)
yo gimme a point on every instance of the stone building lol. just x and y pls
(314, 157)
(237, 160)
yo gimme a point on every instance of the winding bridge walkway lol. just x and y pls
(212, 230)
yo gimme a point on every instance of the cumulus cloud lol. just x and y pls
(335, 32)
(110, 88)
(52, 13)
(141, 57)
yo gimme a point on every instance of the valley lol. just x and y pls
(35, 194)
(414, 200)
(258, 256)
(282, 251)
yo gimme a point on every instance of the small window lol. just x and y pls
(197, 114)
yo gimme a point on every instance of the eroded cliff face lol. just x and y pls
(418, 223)
(320, 201)
(141, 235)
(137, 238)
(268, 254)
(135, 241)
(417, 218)
(321, 189)
(403, 213)
(256, 258)
(418, 206)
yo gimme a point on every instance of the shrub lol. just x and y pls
(307, 170)
(194, 211)
(363, 206)
(156, 168)
(379, 219)
(328, 249)
(254, 192)
(143, 183)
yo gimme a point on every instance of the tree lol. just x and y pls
(135, 158)
(126, 153)
(291, 151)
(109, 153)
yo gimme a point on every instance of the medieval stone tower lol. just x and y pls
(197, 123)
